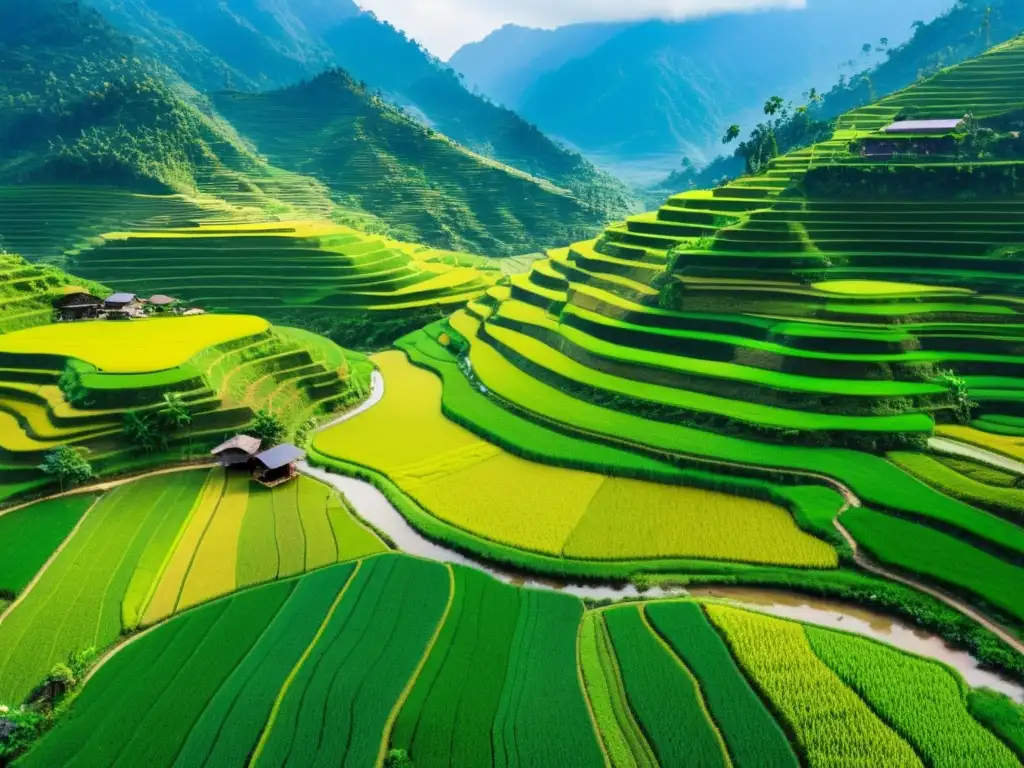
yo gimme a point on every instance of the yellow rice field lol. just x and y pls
(213, 570)
(881, 288)
(135, 346)
(478, 487)
(405, 428)
(531, 506)
(164, 600)
(1004, 444)
(650, 520)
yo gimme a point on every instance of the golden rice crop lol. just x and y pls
(405, 428)
(1005, 444)
(635, 519)
(139, 346)
(507, 499)
(834, 728)
(213, 572)
(165, 598)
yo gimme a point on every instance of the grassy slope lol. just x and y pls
(374, 157)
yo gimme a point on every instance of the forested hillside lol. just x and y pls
(80, 106)
(248, 45)
(84, 107)
(374, 157)
(967, 29)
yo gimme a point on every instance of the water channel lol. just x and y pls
(374, 508)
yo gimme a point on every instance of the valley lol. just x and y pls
(347, 418)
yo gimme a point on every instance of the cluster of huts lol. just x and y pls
(77, 304)
(269, 466)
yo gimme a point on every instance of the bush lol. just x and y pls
(268, 427)
(144, 430)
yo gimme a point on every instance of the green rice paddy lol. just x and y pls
(771, 350)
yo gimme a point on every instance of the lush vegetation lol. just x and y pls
(130, 394)
(29, 536)
(753, 738)
(561, 512)
(806, 379)
(373, 157)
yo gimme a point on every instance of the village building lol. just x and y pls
(925, 127)
(160, 302)
(193, 312)
(239, 451)
(277, 465)
(77, 304)
(122, 306)
(912, 138)
(120, 301)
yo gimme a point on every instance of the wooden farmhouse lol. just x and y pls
(239, 451)
(77, 304)
(122, 306)
(277, 465)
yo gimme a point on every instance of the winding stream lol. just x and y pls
(374, 508)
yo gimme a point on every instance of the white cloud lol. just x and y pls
(444, 25)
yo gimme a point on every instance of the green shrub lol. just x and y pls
(268, 427)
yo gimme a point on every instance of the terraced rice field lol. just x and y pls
(346, 662)
(145, 551)
(27, 292)
(767, 326)
(547, 509)
(720, 390)
(241, 534)
(224, 367)
(46, 222)
(290, 272)
(143, 346)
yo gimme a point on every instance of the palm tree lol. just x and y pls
(773, 105)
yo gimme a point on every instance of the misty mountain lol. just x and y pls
(509, 60)
(672, 87)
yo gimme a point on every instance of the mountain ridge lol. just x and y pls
(601, 103)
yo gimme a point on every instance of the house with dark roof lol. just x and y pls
(277, 465)
(239, 451)
(77, 304)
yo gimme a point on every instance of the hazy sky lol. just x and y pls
(444, 25)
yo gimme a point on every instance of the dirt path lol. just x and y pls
(979, 454)
(107, 485)
(869, 565)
